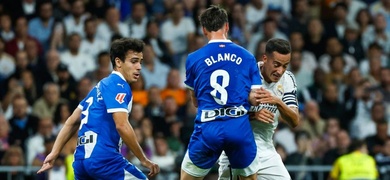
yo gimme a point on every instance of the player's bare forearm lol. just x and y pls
(70, 127)
(127, 134)
(193, 98)
(289, 114)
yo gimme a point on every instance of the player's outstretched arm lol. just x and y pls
(70, 127)
(128, 136)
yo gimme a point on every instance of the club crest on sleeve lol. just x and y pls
(120, 97)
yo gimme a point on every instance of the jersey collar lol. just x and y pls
(220, 40)
(119, 74)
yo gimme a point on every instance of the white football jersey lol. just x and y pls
(285, 89)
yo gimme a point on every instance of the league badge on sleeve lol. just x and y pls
(120, 97)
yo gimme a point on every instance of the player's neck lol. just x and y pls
(217, 35)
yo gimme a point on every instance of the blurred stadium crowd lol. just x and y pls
(53, 52)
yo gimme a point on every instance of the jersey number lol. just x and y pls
(220, 88)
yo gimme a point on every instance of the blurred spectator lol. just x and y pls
(281, 151)
(351, 42)
(58, 37)
(41, 27)
(375, 58)
(174, 89)
(35, 144)
(285, 6)
(111, 26)
(315, 90)
(138, 20)
(61, 114)
(178, 32)
(14, 89)
(153, 70)
(47, 103)
(300, 70)
(154, 107)
(383, 160)
(163, 123)
(335, 48)
(385, 84)
(315, 39)
(98, 8)
(29, 88)
(90, 44)
(153, 38)
(74, 23)
(328, 139)
(6, 31)
(66, 83)
(164, 157)
(330, 106)
(363, 127)
(376, 142)
(381, 7)
(300, 16)
(25, 8)
(33, 56)
(269, 29)
(4, 131)
(103, 69)
(355, 165)
(61, 9)
(308, 58)
(336, 73)
(237, 25)
(7, 63)
(364, 20)
(140, 95)
(313, 123)
(255, 13)
(22, 124)
(337, 25)
(377, 34)
(303, 155)
(13, 157)
(343, 141)
(48, 71)
(78, 62)
(21, 36)
(136, 115)
(354, 6)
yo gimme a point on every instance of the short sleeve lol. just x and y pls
(290, 90)
(335, 172)
(81, 104)
(189, 82)
(116, 97)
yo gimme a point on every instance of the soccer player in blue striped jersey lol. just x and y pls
(281, 90)
(104, 122)
(221, 76)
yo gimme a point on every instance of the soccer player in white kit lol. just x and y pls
(280, 87)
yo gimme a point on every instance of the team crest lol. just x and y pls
(120, 97)
(279, 90)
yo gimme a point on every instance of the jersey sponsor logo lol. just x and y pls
(85, 140)
(209, 115)
(120, 97)
(270, 107)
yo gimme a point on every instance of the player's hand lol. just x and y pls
(153, 167)
(48, 163)
(265, 116)
(265, 97)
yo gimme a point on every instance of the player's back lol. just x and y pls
(98, 137)
(221, 75)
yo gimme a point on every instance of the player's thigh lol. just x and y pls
(272, 168)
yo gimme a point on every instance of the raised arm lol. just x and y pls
(70, 127)
(129, 138)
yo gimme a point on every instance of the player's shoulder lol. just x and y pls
(288, 79)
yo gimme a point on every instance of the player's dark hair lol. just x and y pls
(356, 145)
(213, 18)
(120, 47)
(279, 45)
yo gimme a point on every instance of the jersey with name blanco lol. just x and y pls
(285, 89)
(221, 75)
(97, 136)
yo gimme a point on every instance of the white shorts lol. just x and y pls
(271, 168)
(189, 167)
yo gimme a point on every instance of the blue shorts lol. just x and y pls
(103, 169)
(234, 136)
